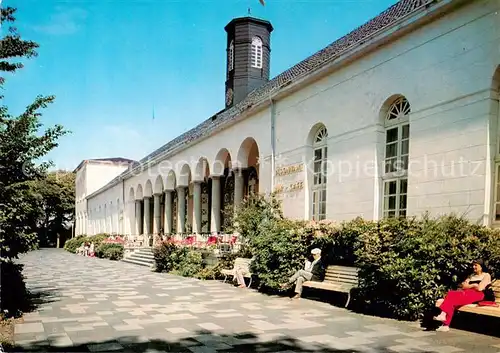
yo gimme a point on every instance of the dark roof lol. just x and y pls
(307, 66)
(250, 19)
(113, 160)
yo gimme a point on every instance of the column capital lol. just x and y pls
(168, 190)
(158, 194)
(146, 197)
(197, 181)
(213, 176)
(181, 187)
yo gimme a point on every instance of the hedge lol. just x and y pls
(111, 251)
(405, 264)
(189, 261)
(74, 243)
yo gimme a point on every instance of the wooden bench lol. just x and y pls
(486, 310)
(242, 264)
(337, 279)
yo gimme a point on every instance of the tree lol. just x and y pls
(21, 146)
(55, 200)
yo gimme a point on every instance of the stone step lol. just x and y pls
(143, 252)
(142, 256)
(140, 262)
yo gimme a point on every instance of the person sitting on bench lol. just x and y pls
(472, 291)
(313, 271)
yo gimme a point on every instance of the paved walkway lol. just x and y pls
(99, 305)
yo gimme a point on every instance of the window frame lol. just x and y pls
(230, 59)
(256, 53)
(400, 174)
(320, 180)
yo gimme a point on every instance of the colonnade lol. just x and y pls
(168, 212)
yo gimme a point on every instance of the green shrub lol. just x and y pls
(73, 244)
(279, 247)
(253, 211)
(187, 262)
(210, 272)
(163, 257)
(407, 263)
(14, 296)
(109, 251)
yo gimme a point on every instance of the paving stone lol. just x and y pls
(33, 327)
(60, 340)
(210, 326)
(177, 330)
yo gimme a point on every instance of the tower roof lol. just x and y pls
(252, 20)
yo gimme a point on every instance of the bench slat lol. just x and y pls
(354, 278)
(483, 310)
(328, 286)
(328, 280)
(343, 269)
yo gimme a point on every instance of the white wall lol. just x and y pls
(92, 176)
(445, 71)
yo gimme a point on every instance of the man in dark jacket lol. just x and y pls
(313, 271)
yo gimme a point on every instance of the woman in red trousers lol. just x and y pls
(472, 291)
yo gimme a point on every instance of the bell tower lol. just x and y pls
(248, 57)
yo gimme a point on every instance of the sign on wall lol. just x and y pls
(289, 180)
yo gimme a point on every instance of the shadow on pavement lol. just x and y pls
(201, 341)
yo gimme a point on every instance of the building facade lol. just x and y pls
(92, 174)
(397, 118)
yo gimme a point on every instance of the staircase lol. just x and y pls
(141, 256)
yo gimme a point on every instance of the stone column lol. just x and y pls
(197, 207)
(147, 220)
(168, 211)
(138, 217)
(238, 187)
(156, 214)
(215, 219)
(181, 209)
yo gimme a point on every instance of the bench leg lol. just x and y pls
(348, 299)
(225, 278)
(250, 283)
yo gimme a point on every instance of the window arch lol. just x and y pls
(230, 57)
(397, 143)
(320, 155)
(256, 58)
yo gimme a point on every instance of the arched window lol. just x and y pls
(230, 58)
(397, 143)
(319, 174)
(256, 58)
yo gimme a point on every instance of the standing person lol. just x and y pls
(314, 271)
(472, 291)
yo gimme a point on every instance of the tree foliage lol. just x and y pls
(54, 197)
(22, 144)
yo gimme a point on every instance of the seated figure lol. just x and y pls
(313, 271)
(472, 290)
(239, 273)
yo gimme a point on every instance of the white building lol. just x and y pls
(401, 114)
(92, 174)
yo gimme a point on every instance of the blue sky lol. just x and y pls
(108, 62)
